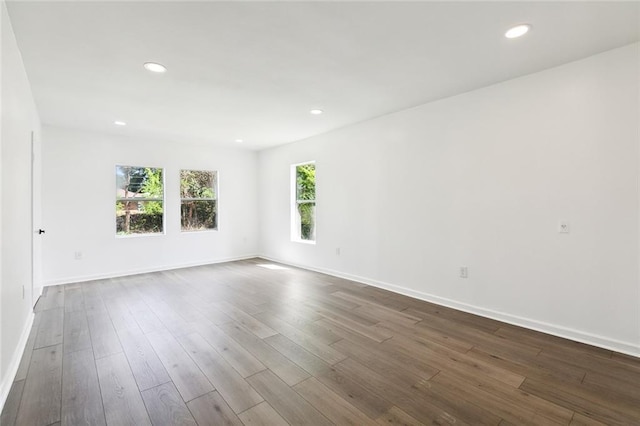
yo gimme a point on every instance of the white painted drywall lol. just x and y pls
(481, 180)
(19, 118)
(79, 206)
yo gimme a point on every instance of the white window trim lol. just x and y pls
(216, 188)
(295, 218)
(133, 199)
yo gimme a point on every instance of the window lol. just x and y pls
(139, 200)
(303, 223)
(199, 200)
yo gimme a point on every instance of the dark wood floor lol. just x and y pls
(240, 344)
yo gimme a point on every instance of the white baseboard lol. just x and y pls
(12, 370)
(544, 327)
(114, 274)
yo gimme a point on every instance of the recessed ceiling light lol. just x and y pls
(517, 31)
(119, 123)
(239, 141)
(154, 67)
(316, 111)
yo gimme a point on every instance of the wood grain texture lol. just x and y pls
(145, 364)
(212, 410)
(291, 406)
(235, 343)
(238, 357)
(396, 416)
(186, 375)
(282, 366)
(166, 407)
(51, 327)
(262, 414)
(231, 385)
(103, 336)
(41, 396)
(334, 407)
(120, 396)
(81, 398)
(11, 405)
(76, 334)
(23, 368)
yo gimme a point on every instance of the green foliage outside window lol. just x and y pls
(306, 196)
(199, 203)
(139, 200)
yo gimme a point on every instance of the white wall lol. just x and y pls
(481, 180)
(79, 206)
(19, 118)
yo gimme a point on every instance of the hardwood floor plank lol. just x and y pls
(52, 299)
(582, 420)
(81, 398)
(185, 374)
(299, 355)
(356, 394)
(404, 397)
(511, 405)
(104, 339)
(93, 302)
(252, 324)
(469, 411)
(532, 367)
(594, 405)
(11, 405)
(121, 317)
(120, 396)
(425, 334)
(51, 327)
(73, 300)
(334, 407)
(169, 318)
(146, 366)
(233, 387)
(166, 407)
(262, 415)
(212, 410)
(25, 361)
(303, 319)
(291, 406)
(396, 416)
(310, 343)
(282, 366)
(374, 333)
(384, 364)
(194, 340)
(443, 358)
(147, 320)
(618, 389)
(237, 356)
(41, 396)
(76, 336)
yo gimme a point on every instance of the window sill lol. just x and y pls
(198, 231)
(155, 234)
(310, 242)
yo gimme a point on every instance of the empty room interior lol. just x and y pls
(316, 213)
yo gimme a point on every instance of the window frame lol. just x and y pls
(215, 187)
(143, 199)
(296, 225)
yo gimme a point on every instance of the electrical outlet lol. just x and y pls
(77, 255)
(464, 272)
(563, 227)
(337, 251)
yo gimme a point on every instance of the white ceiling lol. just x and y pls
(253, 70)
